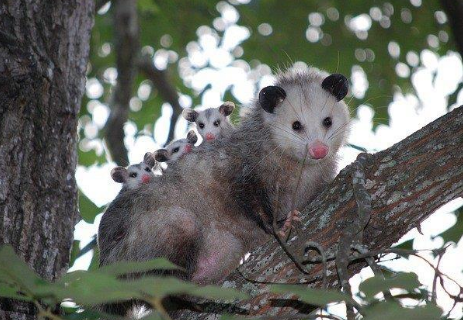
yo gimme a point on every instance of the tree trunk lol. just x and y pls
(44, 48)
(406, 183)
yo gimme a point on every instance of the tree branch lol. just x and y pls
(126, 33)
(167, 91)
(454, 11)
(406, 182)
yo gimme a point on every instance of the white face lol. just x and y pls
(309, 123)
(138, 174)
(211, 124)
(178, 148)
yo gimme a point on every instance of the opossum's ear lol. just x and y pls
(161, 155)
(191, 137)
(190, 115)
(119, 174)
(337, 85)
(270, 97)
(148, 159)
(227, 108)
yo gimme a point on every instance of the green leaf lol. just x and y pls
(153, 316)
(15, 270)
(126, 267)
(88, 210)
(393, 310)
(407, 245)
(7, 291)
(372, 286)
(75, 250)
(160, 287)
(219, 293)
(317, 297)
(455, 232)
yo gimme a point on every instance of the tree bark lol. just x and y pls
(44, 48)
(406, 182)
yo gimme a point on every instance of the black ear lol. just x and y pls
(161, 155)
(191, 137)
(148, 159)
(227, 108)
(337, 85)
(270, 97)
(190, 115)
(119, 174)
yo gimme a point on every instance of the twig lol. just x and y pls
(126, 32)
(167, 91)
(319, 248)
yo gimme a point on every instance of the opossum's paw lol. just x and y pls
(294, 215)
(206, 269)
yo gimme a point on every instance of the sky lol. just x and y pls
(435, 79)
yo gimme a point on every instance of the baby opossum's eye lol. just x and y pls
(297, 126)
(175, 150)
(216, 123)
(147, 169)
(201, 125)
(327, 122)
(133, 174)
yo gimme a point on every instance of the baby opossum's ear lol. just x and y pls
(148, 159)
(190, 115)
(161, 155)
(191, 137)
(119, 174)
(337, 85)
(270, 97)
(227, 108)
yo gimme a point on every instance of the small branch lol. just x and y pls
(167, 91)
(126, 31)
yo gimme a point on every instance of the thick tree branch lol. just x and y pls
(406, 182)
(126, 32)
(454, 11)
(167, 91)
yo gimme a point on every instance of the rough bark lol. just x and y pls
(126, 32)
(43, 59)
(454, 11)
(407, 183)
(167, 91)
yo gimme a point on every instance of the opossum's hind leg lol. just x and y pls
(294, 215)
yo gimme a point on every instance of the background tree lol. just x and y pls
(43, 59)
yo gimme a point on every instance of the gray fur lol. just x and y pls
(218, 203)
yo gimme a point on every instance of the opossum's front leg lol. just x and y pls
(294, 215)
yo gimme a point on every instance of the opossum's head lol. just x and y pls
(305, 113)
(135, 175)
(211, 123)
(176, 149)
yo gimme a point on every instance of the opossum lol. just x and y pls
(212, 123)
(175, 150)
(135, 175)
(219, 202)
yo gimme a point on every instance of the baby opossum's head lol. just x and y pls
(305, 113)
(211, 123)
(176, 149)
(135, 175)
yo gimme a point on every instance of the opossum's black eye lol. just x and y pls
(147, 169)
(216, 123)
(133, 174)
(175, 150)
(297, 126)
(201, 125)
(327, 122)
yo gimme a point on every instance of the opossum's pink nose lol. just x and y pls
(188, 148)
(209, 136)
(145, 178)
(318, 150)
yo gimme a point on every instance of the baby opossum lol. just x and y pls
(175, 150)
(212, 123)
(219, 202)
(135, 175)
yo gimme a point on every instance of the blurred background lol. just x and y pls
(150, 59)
